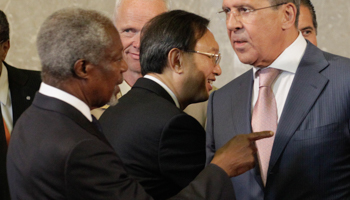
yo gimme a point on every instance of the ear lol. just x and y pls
(289, 16)
(175, 60)
(82, 68)
(5, 46)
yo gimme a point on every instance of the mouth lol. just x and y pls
(135, 56)
(210, 84)
(239, 43)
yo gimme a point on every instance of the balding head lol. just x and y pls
(129, 18)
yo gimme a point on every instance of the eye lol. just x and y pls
(225, 10)
(306, 32)
(129, 32)
(243, 10)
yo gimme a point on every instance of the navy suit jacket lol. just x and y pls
(23, 85)
(56, 153)
(310, 157)
(161, 146)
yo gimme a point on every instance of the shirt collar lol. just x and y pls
(166, 88)
(290, 58)
(66, 97)
(4, 86)
(124, 87)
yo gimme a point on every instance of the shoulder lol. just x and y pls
(23, 76)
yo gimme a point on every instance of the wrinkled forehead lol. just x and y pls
(146, 8)
(238, 3)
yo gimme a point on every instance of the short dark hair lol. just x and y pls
(4, 28)
(310, 6)
(173, 29)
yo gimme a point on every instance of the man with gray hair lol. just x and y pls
(58, 150)
(293, 89)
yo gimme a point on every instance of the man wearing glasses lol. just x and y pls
(295, 90)
(161, 146)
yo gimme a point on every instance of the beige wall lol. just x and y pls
(26, 16)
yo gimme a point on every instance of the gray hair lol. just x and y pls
(119, 2)
(69, 35)
(295, 2)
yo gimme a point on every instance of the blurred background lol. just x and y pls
(26, 16)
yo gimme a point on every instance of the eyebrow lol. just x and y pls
(307, 27)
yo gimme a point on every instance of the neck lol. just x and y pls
(287, 39)
(174, 86)
(131, 77)
(70, 86)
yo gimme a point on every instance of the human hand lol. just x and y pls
(237, 155)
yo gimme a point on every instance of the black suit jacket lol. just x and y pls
(161, 146)
(23, 84)
(56, 153)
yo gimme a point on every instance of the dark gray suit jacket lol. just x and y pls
(161, 146)
(310, 158)
(23, 85)
(56, 153)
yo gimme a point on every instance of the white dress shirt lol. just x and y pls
(288, 63)
(66, 97)
(5, 99)
(124, 88)
(171, 93)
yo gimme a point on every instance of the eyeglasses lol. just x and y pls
(243, 14)
(210, 55)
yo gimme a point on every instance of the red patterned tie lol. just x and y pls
(265, 117)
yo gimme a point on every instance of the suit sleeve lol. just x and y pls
(94, 171)
(210, 143)
(182, 149)
(211, 184)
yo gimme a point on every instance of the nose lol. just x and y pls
(136, 42)
(217, 70)
(232, 22)
(123, 66)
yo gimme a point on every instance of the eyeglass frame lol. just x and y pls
(211, 55)
(250, 10)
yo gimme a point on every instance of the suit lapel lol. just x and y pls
(306, 88)
(241, 100)
(17, 81)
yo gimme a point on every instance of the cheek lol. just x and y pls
(126, 42)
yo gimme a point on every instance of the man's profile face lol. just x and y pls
(257, 42)
(202, 70)
(131, 17)
(306, 26)
(108, 74)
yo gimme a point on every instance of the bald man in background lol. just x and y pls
(307, 21)
(129, 18)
